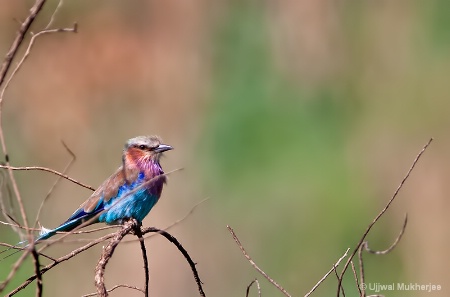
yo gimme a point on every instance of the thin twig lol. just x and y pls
(355, 276)
(72, 160)
(25, 26)
(186, 255)
(137, 231)
(58, 261)
(328, 273)
(48, 170)
(341, 276)
(361, 269)
(3, 206)
(174, 223)
(246, 255)
(52, 18)
(393, 245)
(37, 271)
(115, 287)
(28, 51)
(13, 271)
(337, 277)
(257, 286)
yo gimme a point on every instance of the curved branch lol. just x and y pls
(48, 170)
(173, 240)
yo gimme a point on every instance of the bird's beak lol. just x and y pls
(163, 147)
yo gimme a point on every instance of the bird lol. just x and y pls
(129, 193)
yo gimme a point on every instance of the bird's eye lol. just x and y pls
(142, 147)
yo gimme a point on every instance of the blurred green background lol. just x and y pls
(298, 119)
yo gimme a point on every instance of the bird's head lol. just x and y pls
(144, 149)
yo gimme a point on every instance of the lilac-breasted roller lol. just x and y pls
(131, 192)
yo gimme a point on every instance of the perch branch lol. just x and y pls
(107, 254)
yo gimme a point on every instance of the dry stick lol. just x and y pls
(115, 287)
(37, 270)
(52, 18)
(186, 255)
(60, 260)
(107, 254)
(137, 231)
(328, 273)
(257, 285)
(13, 271)
(236, 239)
(52, 188)
(365, 245)
(361, 270)
(393, 245)
(380, 214)
(30, 45)
(356, 278)
(48, 170)
(37, 7)
(3, 206)
(19, 39)
(337, 276)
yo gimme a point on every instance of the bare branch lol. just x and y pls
(115, 287)
(72, 160)
(13, 271)
(48, 170)
(37, 271)
(361, 270)
(250, 285)
(355, 276)
(25, 26)
(52, 18)
(58, 261)
(236, 239)
(393, 245)
(380, 214)
(173, 240)
(137, 231)
(328, 273)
